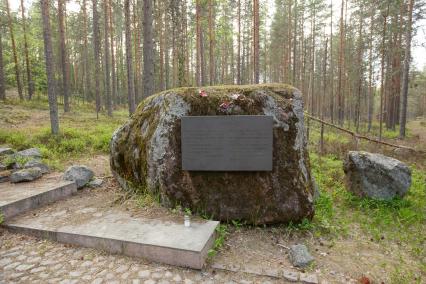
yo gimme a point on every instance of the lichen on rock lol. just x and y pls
(146, 155)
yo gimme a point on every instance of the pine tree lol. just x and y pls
(64, 55)
(48, 53)
(14, 51)
(129, 63)
(404, 91)
(148, 49)
(30, 81)
(96, 48)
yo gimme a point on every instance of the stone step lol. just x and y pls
(116, 231)
(19, 198)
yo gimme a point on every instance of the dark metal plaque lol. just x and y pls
(227, 143)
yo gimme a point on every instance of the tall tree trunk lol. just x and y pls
(86, 53)
(239, 45)
(370, 73)
(96, 48)
(137, 39)
(114, 99)
(106, 56)
(340, 67)
(256, 41)
(331, 66)
(211, 44)
(2, 79)
(407, 57)
(382, 73)
(15, 54)
(289, 40)
(130, 79)
(199, 44)
(64, 55)
(27, 58)
(148, 49)
(48, 53)
(324, 90)
(161, 45)
(360, 71)
(295, 12)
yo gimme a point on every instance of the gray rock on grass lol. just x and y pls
(35, 163)
(29, 174)
(376, 176)
(29, 153)
(80, 174)
(300, 256)
(6, 151)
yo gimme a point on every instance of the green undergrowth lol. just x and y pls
(81, 134)
(339, 213)
(221, 234)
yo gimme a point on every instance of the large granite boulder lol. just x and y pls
(376, 176)
(146, 155)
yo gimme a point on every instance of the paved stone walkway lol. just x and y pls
(25, 259)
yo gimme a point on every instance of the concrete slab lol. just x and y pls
(21, 197)
(117, 231)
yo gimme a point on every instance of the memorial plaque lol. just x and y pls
(227, 143)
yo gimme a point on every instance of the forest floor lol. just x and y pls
(349, 237)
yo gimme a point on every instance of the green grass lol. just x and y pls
(81, 134)
(221, 233)
(337, 210)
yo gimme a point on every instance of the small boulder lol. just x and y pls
(29, 174)
(81, 175)
(29, 153)
(6, 151)
(300, 256)
(35, 163)
(97, 182)
(376, 176)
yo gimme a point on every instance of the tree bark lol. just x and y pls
(48, 53)
(114, 98)
(2, 81)
(199, 43)
(148, 49)
(331, 66)
(15, 54)
(130, 79)
(64, 55)
(27, 58)
(106, 57)
(382, 74)
(256, 41)
(340, 105)
(239, 45)
(407, 58)
(96, 48)
(370, 73)
(86, 53)
(211, 44)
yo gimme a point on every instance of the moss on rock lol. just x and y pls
(146, 154)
